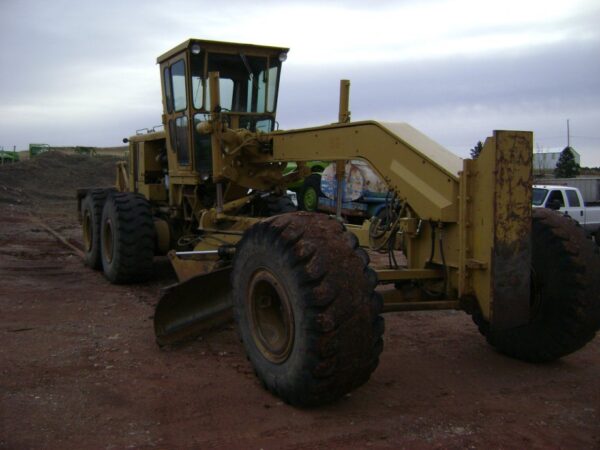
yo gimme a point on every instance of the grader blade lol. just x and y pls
(187, 309)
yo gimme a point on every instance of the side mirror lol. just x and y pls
(554, 204)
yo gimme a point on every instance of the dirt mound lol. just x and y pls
(53, 177)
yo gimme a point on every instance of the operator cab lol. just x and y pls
(248, 84)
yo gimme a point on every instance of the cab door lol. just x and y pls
(176, 115)
(576, 208)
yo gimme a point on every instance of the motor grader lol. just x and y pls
(209, 191)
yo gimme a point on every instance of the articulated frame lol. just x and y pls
(480, 209)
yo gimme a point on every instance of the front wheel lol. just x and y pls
(565, 305)
(306, 308)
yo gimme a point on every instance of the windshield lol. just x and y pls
(247, 84)
(539, 195)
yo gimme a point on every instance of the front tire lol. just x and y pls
(565, 311)
(306, 308)
(127, 238)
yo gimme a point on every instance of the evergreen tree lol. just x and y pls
(475, 151)
(566, 167)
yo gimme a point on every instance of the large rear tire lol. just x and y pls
(565, 305)
(91, 217)
(306, 308)
(127, 238)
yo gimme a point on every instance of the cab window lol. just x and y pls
(167, 89)
(260, 123)
(573, 199)
(538, 196)
(178, 130)
(198, 81)
(247, 83)
(202, 148)
(272, 90)
(178, 85)
(556, 196)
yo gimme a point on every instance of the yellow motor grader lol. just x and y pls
(210, 189)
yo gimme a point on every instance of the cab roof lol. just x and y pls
(219, 46)
(553, 186)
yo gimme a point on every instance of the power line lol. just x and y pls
(550, 137)
(585, 137)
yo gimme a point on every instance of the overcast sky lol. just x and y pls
(85, 73)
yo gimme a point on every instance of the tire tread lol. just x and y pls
(135, 238)
(343, 325)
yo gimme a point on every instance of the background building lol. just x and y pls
(547, 161)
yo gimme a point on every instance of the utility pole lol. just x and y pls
(568, 135)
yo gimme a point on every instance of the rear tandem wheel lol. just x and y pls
(306, 308)
(91, 216)
(127, 238)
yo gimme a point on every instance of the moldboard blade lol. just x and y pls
(188, 309)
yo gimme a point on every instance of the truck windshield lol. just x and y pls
(248, 84)
(539, 196)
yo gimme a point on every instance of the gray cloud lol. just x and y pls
(85, 73)
(461, 100)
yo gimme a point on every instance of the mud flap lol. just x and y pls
(186, 310)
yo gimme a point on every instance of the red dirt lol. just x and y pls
(79, 367)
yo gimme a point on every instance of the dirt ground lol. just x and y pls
(80, 369)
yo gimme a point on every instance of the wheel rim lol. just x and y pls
(87, 230)
(107, 241)
(271, 317)
(310, 199)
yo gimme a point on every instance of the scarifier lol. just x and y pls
(209, 191)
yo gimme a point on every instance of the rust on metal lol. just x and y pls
(511, 259)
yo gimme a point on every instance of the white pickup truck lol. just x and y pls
(568, 200)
